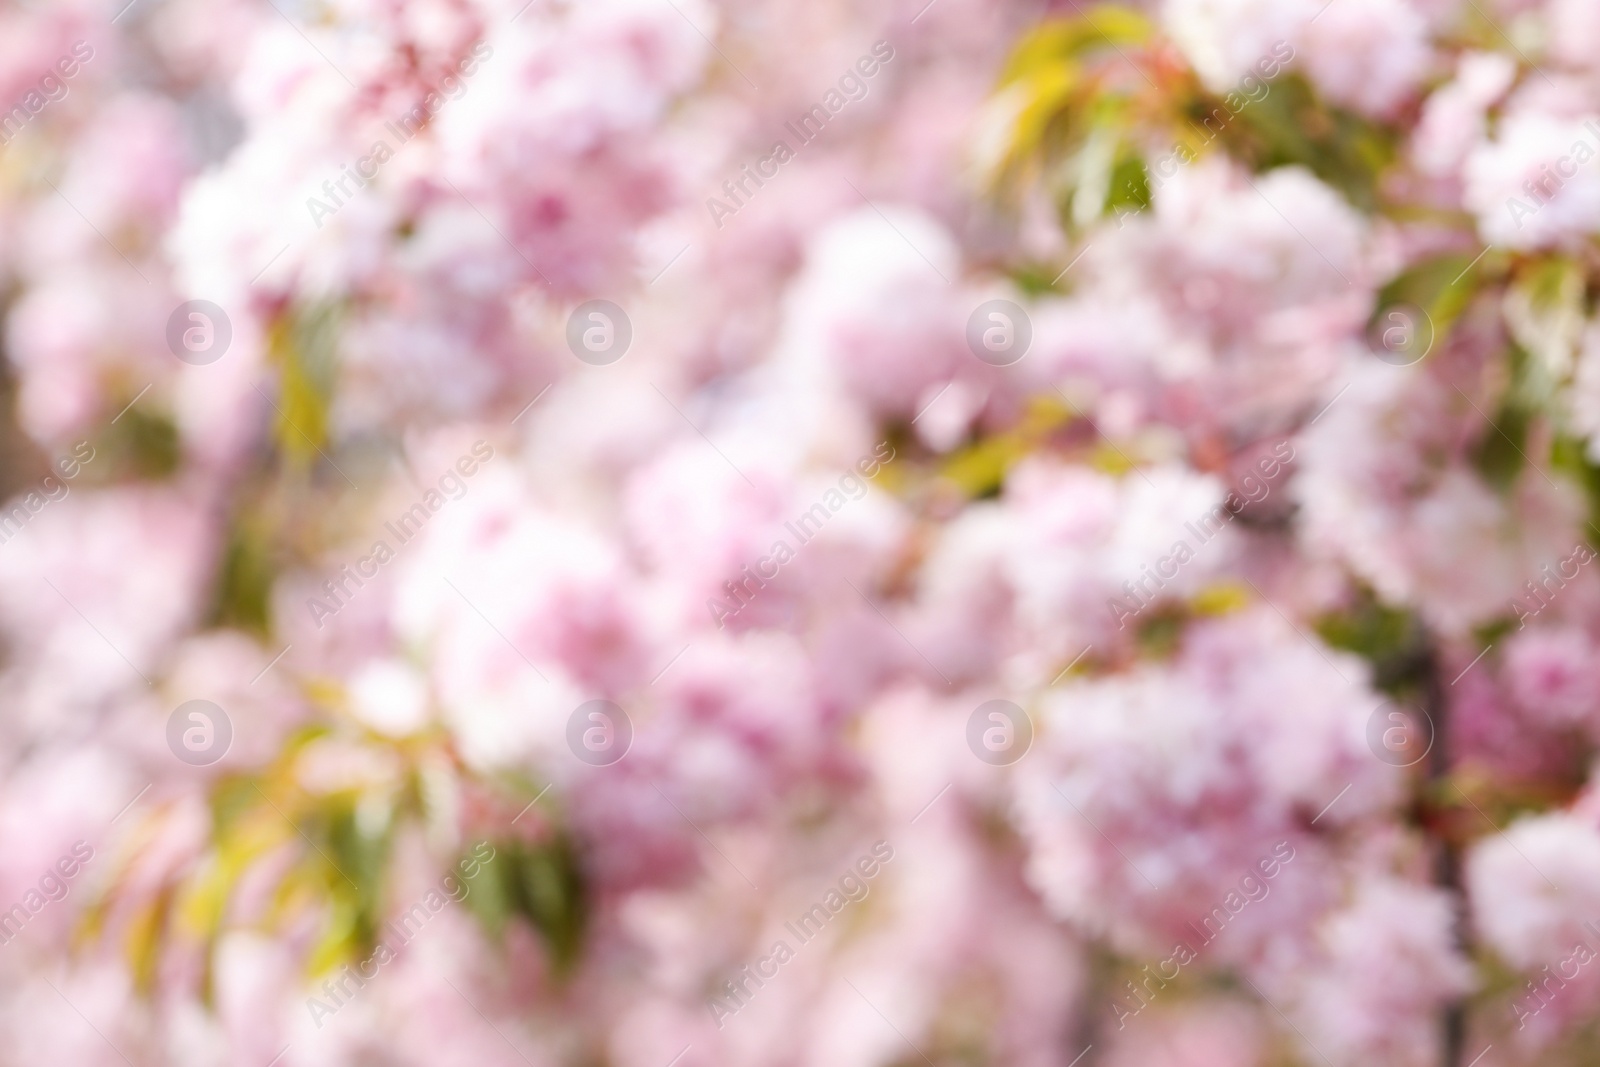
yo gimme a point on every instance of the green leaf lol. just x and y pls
(493, 897)
(1059, 112)
(1160, 633)
(1502, 451)
(542, 883)
(551, 894)
(1544, 310)
(1441, 287)
(1130, 184)
(304, 347)
(1061, 41)
(1501, 454)
(343, 939)
(140, 445)
(143, 938)
(1570, 456)
(1392, 639)
(980, 470)
(1290, 126)
(243, 596)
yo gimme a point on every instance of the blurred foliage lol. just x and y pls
(1221, 598)
(1291, 126)
(243, 595)
(1160, 632)
(979, 469)
(327, 847)
(1473, 802)
(1392, 640)
(1440, 287)
(1501, 452)
(303, 346)
(1160, 628)
(21, 462)
(339, 839)
(1545, 310)
(1570, 456)
(1085, 103)
(541, 883)
(141, 445)
(303, 848)
(1068, 108)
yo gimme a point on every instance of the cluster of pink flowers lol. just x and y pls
(1185, 579)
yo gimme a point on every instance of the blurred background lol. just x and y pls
(681, 533)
